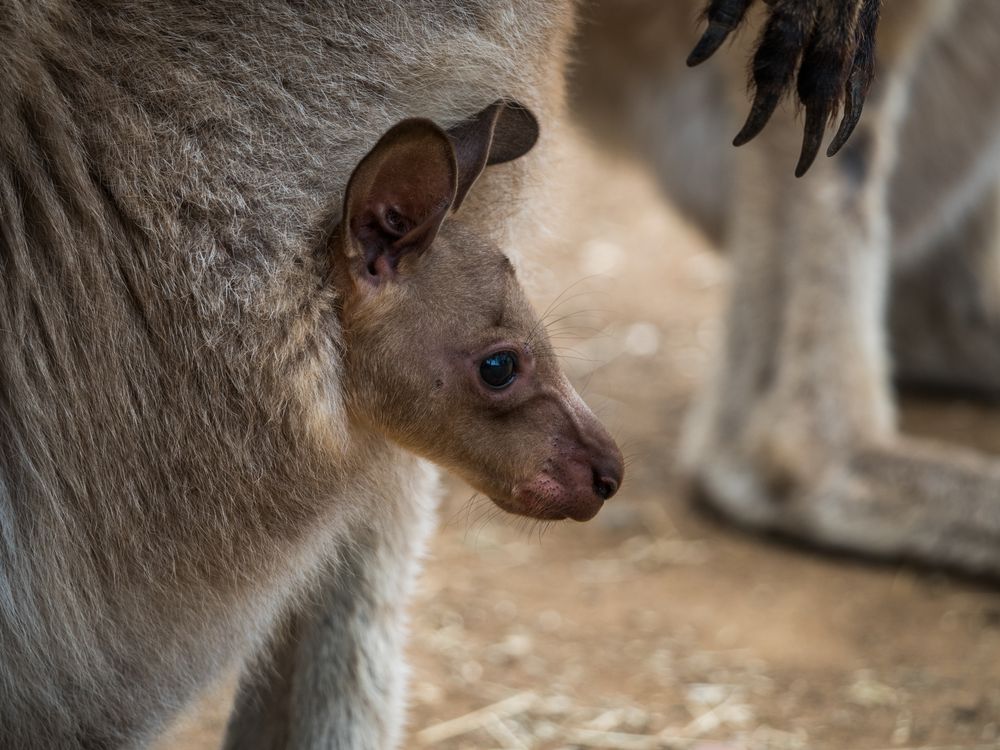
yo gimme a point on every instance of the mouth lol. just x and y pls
(517, 509)
(545, 498)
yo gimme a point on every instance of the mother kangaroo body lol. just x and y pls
(204, 388)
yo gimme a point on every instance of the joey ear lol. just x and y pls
(397, 198)
(501, 132)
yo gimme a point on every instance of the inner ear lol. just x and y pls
(503, 131)
(397, 198)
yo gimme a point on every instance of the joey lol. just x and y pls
(443, 351)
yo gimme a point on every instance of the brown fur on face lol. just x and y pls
(422, 309)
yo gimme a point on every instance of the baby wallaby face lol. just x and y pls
(444, 353)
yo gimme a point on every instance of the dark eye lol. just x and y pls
(498, 370)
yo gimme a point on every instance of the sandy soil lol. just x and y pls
(654, 626)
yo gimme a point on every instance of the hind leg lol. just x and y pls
(796, 430)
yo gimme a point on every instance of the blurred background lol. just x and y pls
(654, 625)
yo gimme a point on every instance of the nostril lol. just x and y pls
(604, 487)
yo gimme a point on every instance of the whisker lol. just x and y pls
(577, 331)
(561, 299)
(463, 508)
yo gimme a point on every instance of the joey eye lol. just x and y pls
(498, 369)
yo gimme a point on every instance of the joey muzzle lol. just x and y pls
(584, 468)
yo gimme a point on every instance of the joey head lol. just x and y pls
(444, 354)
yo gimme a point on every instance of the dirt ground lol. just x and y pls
(654, 626)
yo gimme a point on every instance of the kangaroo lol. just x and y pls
(214, 385)
(880, 264)
(246, 282)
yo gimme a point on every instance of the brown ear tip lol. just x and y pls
(516, 132)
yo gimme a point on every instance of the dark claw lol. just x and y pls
(710, 41)
(774, 63)
(826, 65)
(816, 120)
(723, 16)
(761, 111)
(852, 115)
(862, 74)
